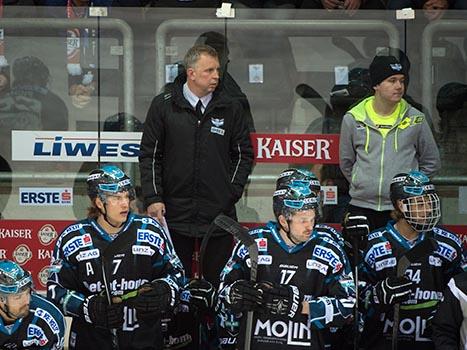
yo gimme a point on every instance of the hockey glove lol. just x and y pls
(244, 296)
(281, 299)
(201, 294)
(356, 228)
(393, 290)
(97, 311)
(153, 299)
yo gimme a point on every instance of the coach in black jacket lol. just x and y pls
(195, 159)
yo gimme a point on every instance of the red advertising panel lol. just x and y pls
(296, 148)
(30, 244)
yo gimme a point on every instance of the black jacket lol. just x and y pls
(450, 321)
(197, 168)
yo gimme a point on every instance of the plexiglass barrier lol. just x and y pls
(72, 83)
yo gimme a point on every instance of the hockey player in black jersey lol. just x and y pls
(303, 284)
(450, 321)
(27, 320)
(115, 272)
(416, 213)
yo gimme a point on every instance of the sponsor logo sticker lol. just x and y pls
(88, 254)
(142, 250)
(312, 264)
(47, 234)
(262, 244)
(22, 254)
(380, 265)
(264, 260)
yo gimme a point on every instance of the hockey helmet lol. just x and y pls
(299, 177)
(420, 202)
(294, 197)
(109, 180)
(13, 278)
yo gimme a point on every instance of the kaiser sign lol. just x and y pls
(296, 148)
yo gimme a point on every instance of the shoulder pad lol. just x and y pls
(448, 236)
(329, 256)
(258, 231)
(375, 234)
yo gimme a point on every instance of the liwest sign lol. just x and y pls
(76, 146)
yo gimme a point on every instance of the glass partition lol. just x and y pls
(92, 80)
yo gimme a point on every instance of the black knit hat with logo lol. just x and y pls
(383, 67)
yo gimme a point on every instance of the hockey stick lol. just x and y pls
(356, 228)
(422, 249)
(121, 241)
(239, 232)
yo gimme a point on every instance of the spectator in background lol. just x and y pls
(428, 4)
(451, 103)
(381, 136)
(28, 105)
(344, 4)
(31, 79)
(433, 9)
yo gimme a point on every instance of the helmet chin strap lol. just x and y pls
(287, 232)
(104, 213)
(7, 312)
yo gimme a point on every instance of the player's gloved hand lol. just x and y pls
(356, 228)
(281, 299)
(201, 294)
(153, 299)
(97, 311)
(393, 290)
(244, 296)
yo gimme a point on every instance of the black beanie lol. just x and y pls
(383, 67)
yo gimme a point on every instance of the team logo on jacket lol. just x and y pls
(262, 244)
(217, 123)
(76, 243)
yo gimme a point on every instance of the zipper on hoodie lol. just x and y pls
(381, 168)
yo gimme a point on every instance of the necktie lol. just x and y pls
(199, 111)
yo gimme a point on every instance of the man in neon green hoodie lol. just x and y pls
(381, 136)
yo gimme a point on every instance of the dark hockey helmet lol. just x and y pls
(109, 180)
(420, 202)
(294, 197)
(299, 177)
(13, 279)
